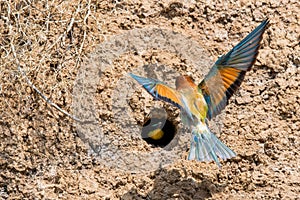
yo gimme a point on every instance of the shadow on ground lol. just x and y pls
(173, 185)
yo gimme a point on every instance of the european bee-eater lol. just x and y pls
(158, 131)
(207, 99)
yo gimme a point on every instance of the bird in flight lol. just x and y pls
(202, 102)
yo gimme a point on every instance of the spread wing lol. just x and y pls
(159, 90)
(229, 70)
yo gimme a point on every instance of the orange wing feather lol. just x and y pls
(229, 71)
(159, 90)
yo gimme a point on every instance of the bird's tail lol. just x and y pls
(205, 146)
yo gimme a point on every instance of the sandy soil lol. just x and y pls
(44, 154)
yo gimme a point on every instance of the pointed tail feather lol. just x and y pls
(205, 146)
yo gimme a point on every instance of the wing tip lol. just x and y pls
(141, 80)
(265, 22)
(133, 75)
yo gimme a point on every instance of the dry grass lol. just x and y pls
(41, 48)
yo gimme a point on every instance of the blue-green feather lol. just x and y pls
(240, 57)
